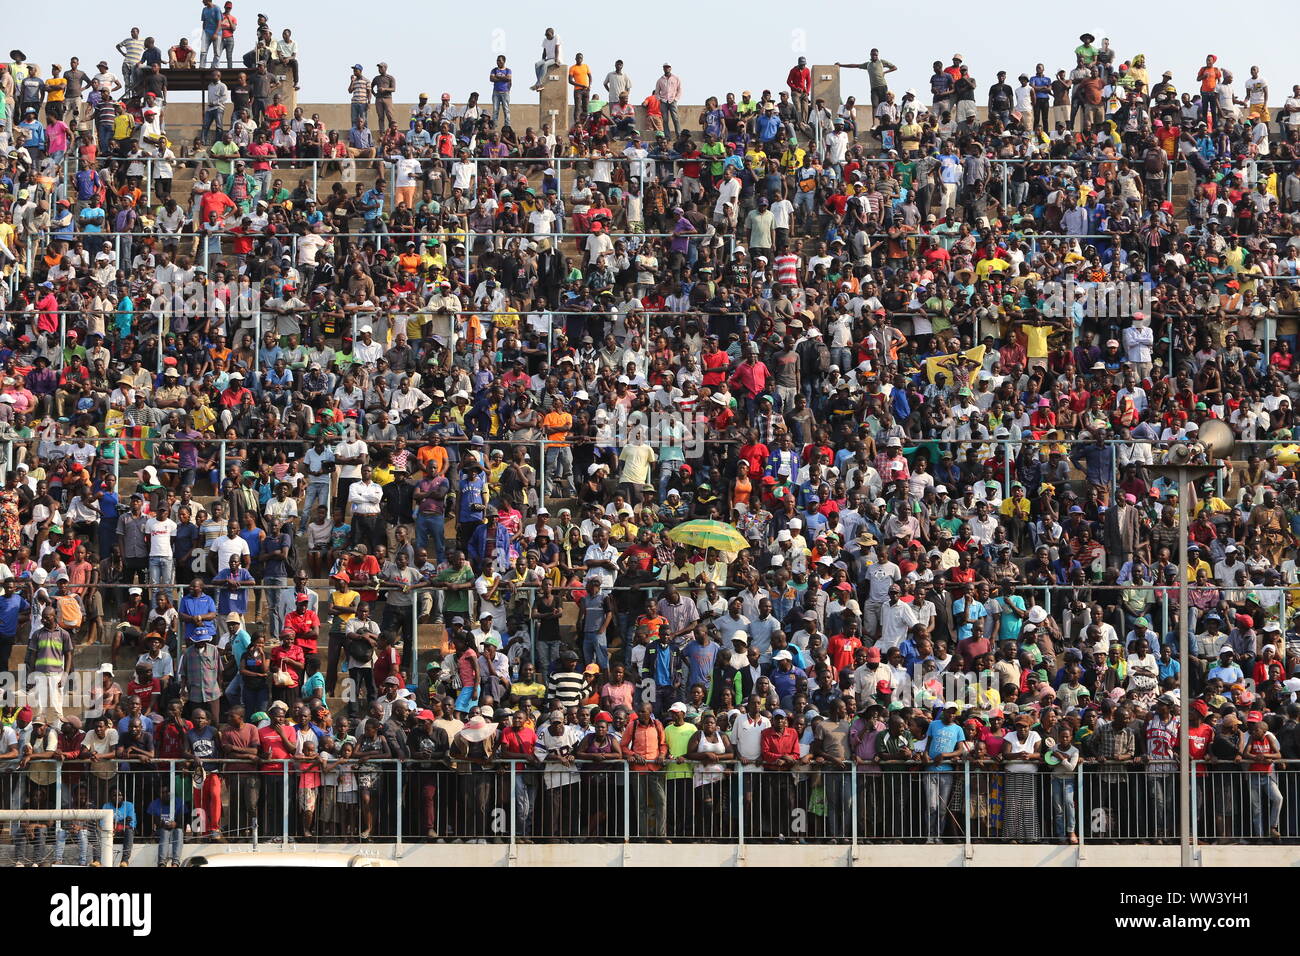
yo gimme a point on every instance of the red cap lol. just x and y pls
(1201, 707)
(873, 655)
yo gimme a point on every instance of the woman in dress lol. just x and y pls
(1020, 759)
(710, 749)
(10, 521)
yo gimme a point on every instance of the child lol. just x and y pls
(309, 781)
(346, 793)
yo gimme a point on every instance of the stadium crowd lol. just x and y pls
(491, 378)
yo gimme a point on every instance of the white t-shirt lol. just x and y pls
(160, 537)
(225, 546)
(407, 172)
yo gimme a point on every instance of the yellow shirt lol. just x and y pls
(1036, 340)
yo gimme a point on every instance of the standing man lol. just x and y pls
(799, 80)
(876, 69)
(617, 82)
(550, 56)
(501, 80)
(214, 107)
(668, 90)
(580, 80)
(210, 22)
(227, 26)
(49, 660)
(359, 90)
(383, 87)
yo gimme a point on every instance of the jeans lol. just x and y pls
(938, 789)
(540, 66)
(209, 42)
(212, 120)
(170, 843)
(667, 469)
(1164, 790)
(82, 836)
(360, 111)
(1063, 805)
(500, 105)
(431, 526)
(318, 493)
(126, 837)
(670, 112)
(162, 573)
(652, 800)
(525, 802)
(559, 463)
(595, 649)
(1263, 787)
(228, 48)
(836, 785)
(273, 602)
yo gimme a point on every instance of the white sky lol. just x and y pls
(437, 47)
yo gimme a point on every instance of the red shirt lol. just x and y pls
(305, 626)
(773, 745)
(1198, 745)
(273, 748)
(291, 653)
(841, 650)
(144, 691)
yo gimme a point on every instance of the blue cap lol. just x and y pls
(779, 713)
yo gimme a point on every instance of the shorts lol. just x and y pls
(94, 604)
(307, 799)
(466, 699)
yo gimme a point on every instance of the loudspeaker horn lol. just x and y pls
(1217, 438)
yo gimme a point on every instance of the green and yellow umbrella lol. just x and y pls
(709, 534)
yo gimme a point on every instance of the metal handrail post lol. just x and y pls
(969, 849)
(284, 805)
(398, 822)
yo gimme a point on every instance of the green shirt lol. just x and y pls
(456, 602)
(716, 153)
(679, 739)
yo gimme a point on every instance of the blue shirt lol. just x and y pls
(942, 739)
(699, 662)
(203, 604)
(210, 18)
(123, 814)
(231, 599)
(10, 608)
(977, 612)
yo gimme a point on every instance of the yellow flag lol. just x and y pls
(948, 363)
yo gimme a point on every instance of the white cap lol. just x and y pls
(364, 329)
(678, 708)
(826, 559)
(782, 656)
(783, 535)
(1230, 549)
(740, 636)
(1037, 615)
(940, 489)
(778, 560)
(581, 394)
(795, 524)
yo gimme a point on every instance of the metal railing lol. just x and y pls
(345, 799)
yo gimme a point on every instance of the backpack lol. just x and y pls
(68, 612)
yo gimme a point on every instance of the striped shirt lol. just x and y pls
(565, 687)
(48, 649)
(132, 50)
(359, 87)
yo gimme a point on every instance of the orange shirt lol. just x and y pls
(580, 74)
(556, 424)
